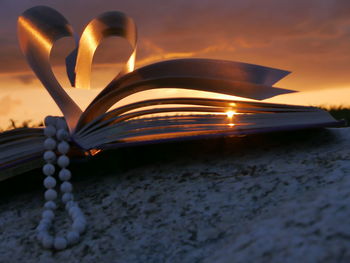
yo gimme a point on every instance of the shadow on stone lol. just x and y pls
(125, 159)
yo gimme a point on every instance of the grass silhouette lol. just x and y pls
(24, 124)
(339, 113)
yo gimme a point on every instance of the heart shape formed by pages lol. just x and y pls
(38, 30)
(40, 27)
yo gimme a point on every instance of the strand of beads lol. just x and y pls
(57, 137)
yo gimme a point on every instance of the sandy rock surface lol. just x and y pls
(281, 200)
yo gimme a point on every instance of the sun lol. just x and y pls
(230, 113)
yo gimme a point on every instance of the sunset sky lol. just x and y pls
(311, 38)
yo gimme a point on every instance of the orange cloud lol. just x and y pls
(8, 104)
(309, 38)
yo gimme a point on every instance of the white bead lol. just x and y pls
(58, 126)
(49, 169)
(50, 131)
(78, 226)
(42, 227)
(47, 241)
(73, 237)
(60, 243)
(69, 205)
(62, 134)
(48, 214)
(73, 211)
(65, 175)
(46, 222)
(80, 220)
(49, 120)
(61, 124)
(63, 161)
(50, 205)
(49, 156)
(50, 182)
(66, 187)
(40, 235)
(50, 195)
(67, 197)
(49, 144)
(63, 147)
(78, 216)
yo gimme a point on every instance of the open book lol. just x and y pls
(146, 121)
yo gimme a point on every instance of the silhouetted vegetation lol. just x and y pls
(339, 113)
(25, 124)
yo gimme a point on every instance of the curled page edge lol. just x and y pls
(108, 24)
(210, 75)
(38, 29)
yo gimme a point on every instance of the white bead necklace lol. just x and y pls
(57, 137)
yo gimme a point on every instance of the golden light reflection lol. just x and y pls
(130, 65)
(90, 37)
(32, 30)
(94, 151)
(163, 56)
(230, 114)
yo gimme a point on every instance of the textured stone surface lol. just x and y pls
(274, 202)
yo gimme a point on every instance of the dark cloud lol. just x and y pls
(309, 37)
(25, 78)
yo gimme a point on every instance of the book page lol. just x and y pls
(119, 114)
(226, 77)
(137, 125)
(38, 29)
(18, 147)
